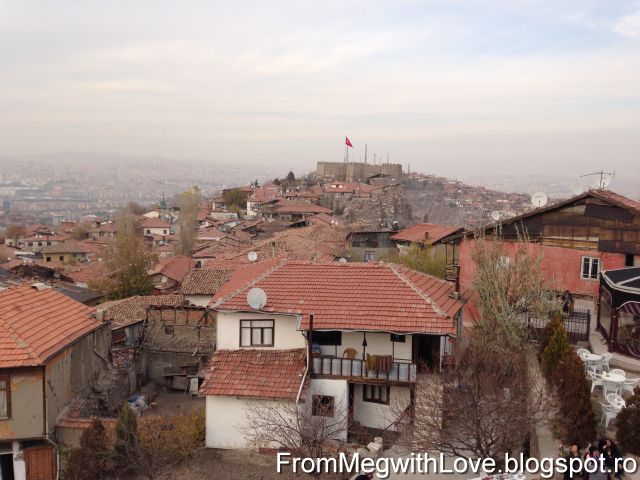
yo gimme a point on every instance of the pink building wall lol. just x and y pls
(562, 266)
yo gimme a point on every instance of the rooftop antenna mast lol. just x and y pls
(365, 153)
(605, 178)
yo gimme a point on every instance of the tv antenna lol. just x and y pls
(539, 199)
(605, 178)
(256, 298)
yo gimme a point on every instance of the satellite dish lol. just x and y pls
(539, 199)
(342, 260)
(252, 256)
(578, 189)
(256, 298)
(495, 215)
(605, 180)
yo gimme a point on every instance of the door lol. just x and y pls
(40, 462)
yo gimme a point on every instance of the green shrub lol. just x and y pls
(93, 459)
(577, 420)
(628, 424)
(557, 346)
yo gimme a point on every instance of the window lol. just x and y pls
(376, 394)
(327, 338)
(590, 268)
(61, 257)
(5, 396)
(48, 259)
(398, 338)
(629, 260)
(323, 406)
(369, 256)
(256, 333)
(164, 232)
(168, 330)
(148, 231)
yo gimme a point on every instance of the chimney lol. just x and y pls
(100, 314)
(426, 235)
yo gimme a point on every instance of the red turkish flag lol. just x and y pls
(347, 142)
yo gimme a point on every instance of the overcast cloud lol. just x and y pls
(451, 87)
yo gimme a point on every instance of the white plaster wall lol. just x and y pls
(285, 335)
(377, 344)
(199, 300)
(339, 389)
(19, 466)
(157, 231)
(376, 415)
(226, 419)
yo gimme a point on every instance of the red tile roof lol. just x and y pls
(201, 281)
(175, 268)
(134, 309)
(244, 274)
(354, 296)
(85, 272)
(424, 233)
(617, 199)
(301, 209)
(68, 246)
(35, 325)
(255, 373)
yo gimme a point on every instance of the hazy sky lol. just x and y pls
(451, 87)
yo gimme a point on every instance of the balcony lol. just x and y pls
(355, 370)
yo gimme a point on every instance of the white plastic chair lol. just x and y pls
(596, 381)
(606, 358)
(595, 364)
(610, 387)
(608, 414)
(582, 352)
(630, 384)
(618, 371)
(616, 400)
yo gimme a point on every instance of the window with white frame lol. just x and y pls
(256, 333)
(376, 394)
(590, 268)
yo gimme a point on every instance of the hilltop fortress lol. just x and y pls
(357, 171)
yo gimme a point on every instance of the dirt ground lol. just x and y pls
(212, 464)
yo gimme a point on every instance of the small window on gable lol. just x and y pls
(323, 406)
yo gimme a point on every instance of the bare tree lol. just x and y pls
(508, 284)
(190, 201)
(489, 401)
(306, 430)
(128, 262)
(484, 407)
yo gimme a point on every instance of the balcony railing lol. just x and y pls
(356, 369)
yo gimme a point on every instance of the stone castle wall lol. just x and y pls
(357, 171)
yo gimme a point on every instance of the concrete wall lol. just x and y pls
(357, 170)
(27, 409)
(339, 390)
(226, 420)
(561, 265)
(285, 335)
(173, 335)
(376, 415)
(377, 344)
(199, 300)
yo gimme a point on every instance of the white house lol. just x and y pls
(355, 336)
(155, 226)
